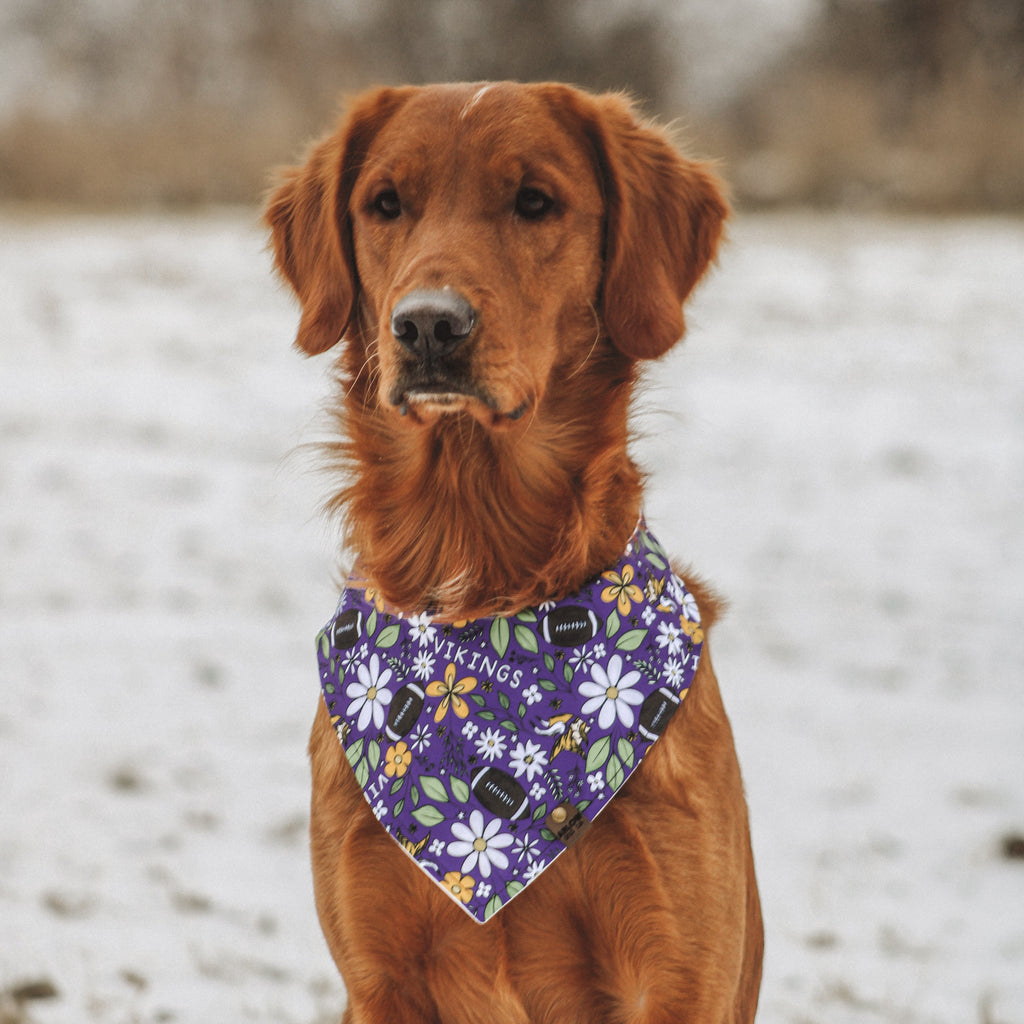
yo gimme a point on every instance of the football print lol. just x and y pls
(500, 793)
(404, 710)
(347, 629)
(570, 626)
(655, 712)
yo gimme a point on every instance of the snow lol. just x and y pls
(839, 447)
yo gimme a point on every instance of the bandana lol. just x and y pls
(485, 748)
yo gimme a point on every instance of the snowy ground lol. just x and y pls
(839, 447)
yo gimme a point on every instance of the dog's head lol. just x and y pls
(474, 243)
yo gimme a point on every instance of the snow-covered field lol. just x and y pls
(839, 447)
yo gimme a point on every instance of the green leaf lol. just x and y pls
(614, 773)
(388, 636)
(355, 751)
(428, 815)
(478, 699)
(540, 812)
(500, 636)
(598, 753)
(504, 701)
(487, 716)
(396, 786)
(547, 835)
(373, 754)
(632, 640)
(459, 790)
(399, 806)
(329, 688)
(513, 888)
(526, 639)
(493, 906)
(611, 627)
(548, 684)
(657, 561)
(521, 710)
(362, 773)
(371, 623)
(625, 751)
(511, 726)
(433, 789)
(527, 615)
(653, 545)
(414, 796)
(549, 662)
(567, 672)
(325, 644)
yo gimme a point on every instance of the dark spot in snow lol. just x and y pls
(32, 991)
(1013, 846)
(822, 940)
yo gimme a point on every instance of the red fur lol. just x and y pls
(512, 490)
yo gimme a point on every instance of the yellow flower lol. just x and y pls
(692, 630)
(460, 886)
(398, 759)
(375, 598)
(622, 589)
(450, 693)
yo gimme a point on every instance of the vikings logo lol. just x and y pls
(414, 848)
(571, 732)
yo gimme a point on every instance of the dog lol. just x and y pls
(496, 262)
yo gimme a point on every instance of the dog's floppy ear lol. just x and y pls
(307, 213)
(664, 219)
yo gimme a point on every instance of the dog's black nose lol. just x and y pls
(432, 323)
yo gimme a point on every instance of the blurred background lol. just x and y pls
(909, 104)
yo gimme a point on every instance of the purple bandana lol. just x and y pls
(485, 748)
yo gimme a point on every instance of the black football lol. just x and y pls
(500, 793)
(347, 629)
(406, 706)
(655, 712)
(570, 625)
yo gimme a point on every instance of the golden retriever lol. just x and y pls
(495, 261)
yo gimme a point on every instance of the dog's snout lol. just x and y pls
(430, 323)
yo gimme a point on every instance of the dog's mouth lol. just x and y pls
(428, 402)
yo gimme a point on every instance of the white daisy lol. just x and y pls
(673, 672)
(370, 695)
(480, 844)
(490, 744)
(422, 631)
(690, 609)
(526, 846)
(528, 758)
(423, 665)
(670, 636)
(535, 868)
(612, 694)
(420, 739)
(580, 658)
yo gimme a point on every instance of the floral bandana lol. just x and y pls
(485, 748)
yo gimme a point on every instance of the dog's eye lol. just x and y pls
(532, 204)
(387, 204)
